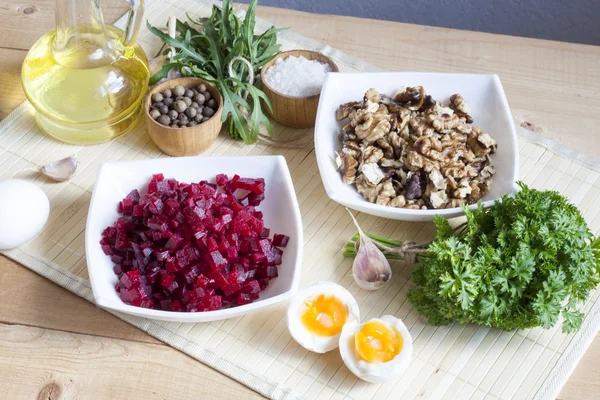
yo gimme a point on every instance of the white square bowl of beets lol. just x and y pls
(281, 215)
(489, 109)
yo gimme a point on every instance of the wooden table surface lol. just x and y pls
(55, 345)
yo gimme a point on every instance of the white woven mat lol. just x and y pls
(450, 362)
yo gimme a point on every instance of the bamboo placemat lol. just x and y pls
(450, 362)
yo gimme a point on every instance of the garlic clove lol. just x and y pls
(61, 170)
(370, 269)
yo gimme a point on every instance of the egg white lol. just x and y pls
(307, 339)
(376, 372)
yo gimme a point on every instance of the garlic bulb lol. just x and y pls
(61, 170)
(371, 270)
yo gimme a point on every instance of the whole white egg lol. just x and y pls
(317, 314)
(389, 357)
(24, 210)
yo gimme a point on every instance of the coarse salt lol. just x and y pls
(297, 76)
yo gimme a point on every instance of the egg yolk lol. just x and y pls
(324, 315)
(377, 342)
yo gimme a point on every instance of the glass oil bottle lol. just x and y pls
(87, 80)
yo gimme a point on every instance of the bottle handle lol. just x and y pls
(134, 22)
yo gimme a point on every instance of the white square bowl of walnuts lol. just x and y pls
(412, 145)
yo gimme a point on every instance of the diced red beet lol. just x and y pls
(254, 199)
(126, 206)
(199, 232)
(152, 188)
(122, 240)
(192, 247)
(158, 223)
(107, 249)
(253, 185)
(109, 232)
(222, 179)
(217, 226)
(231, 253)
(169, 283)
(153, 276)
(139, 256)
(138, 210)
(202, 281)
(192, 297)
(147, 252)
(258, 258)
(280, 240)
(225, 210)
(171, 264)
(277, 256)
(216, 260)
(165, 305)
(232, 286)
(211, 244)
(173, 225)
(252, 287)
(174, 242)
(263, 283)
(190, 274)
(129, 279)
(214, 303)
(162, 187)
(161, 255)
(171, 206)
(244, 298)
(134, 196)
(223, 244)
(155, 206)
(159, 235)
(176, 306)
(117, 258)
(272, 272)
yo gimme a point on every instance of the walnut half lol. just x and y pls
(347, 166)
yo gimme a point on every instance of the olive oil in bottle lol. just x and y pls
(86, 81)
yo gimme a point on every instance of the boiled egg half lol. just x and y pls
(377, 350)
(317, 314)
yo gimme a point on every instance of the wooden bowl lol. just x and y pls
(294, 112)
(184, 141)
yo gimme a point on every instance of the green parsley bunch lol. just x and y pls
(521, 263)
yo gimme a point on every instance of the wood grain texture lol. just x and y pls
(11, 92)
(551, 85)
(30, 299)
(24, 22)
(48, 364)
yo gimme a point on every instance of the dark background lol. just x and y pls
(575, 21)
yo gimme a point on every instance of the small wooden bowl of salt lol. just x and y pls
(292, 81)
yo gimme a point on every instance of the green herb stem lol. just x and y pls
(206, 52)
